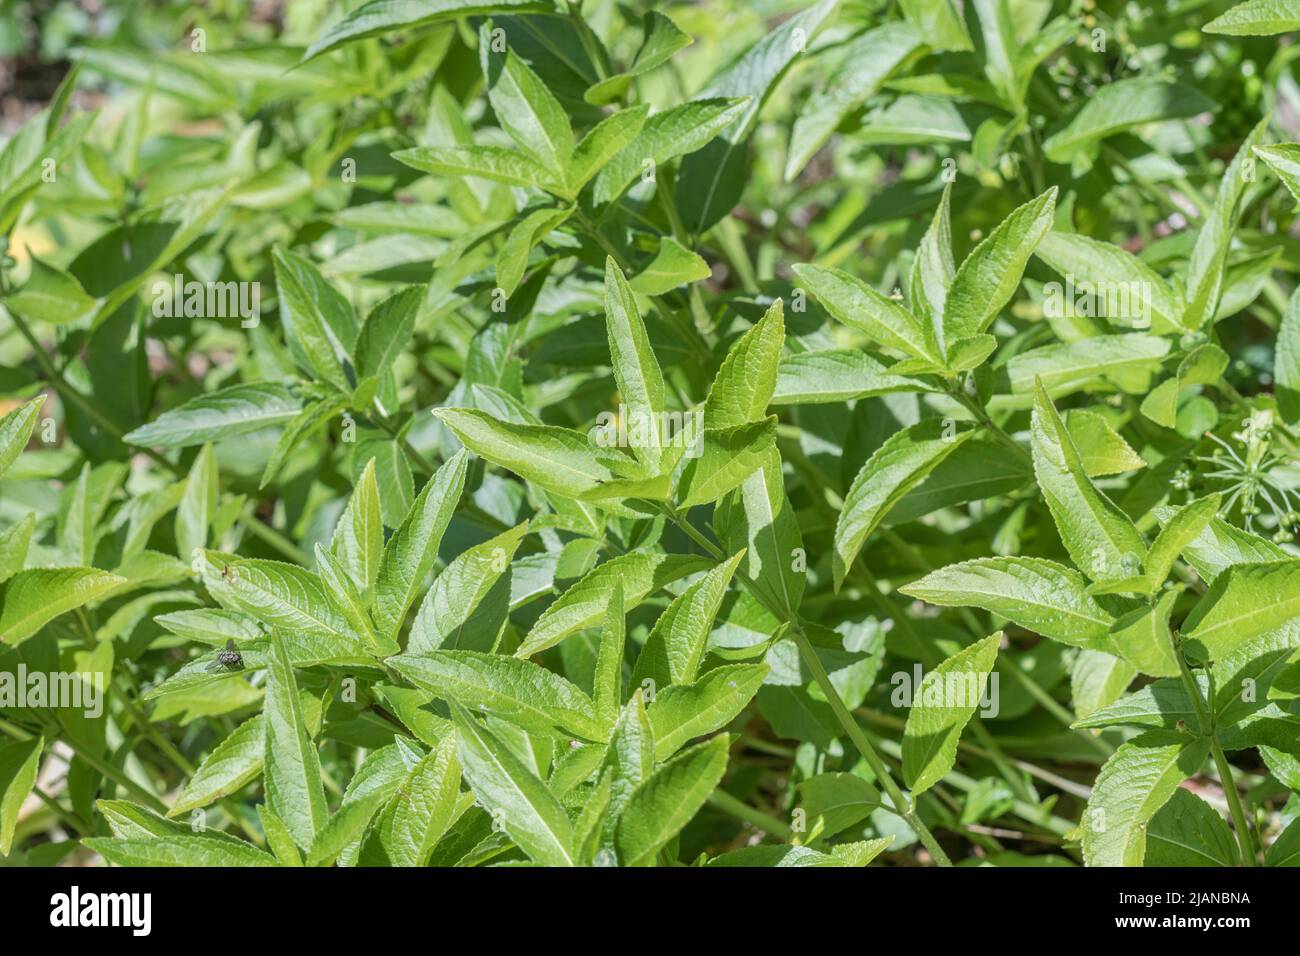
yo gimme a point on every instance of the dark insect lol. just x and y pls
(229, 659)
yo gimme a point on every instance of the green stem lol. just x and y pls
(1244, 837)
(932, 659)
(1205, 718)
(982, 416)
(965, 784)
(743, 811)
(1053, 707)
(901, 804)
(74, 397)
(1071, 787)
(852, 728)
(275, 539)
(110, 772)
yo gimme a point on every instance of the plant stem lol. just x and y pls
(1071, 787)
(110, 772)
(743, 811)
(275, 539)
(901, 805)
(932, 659)
(1205, 718)
(982, 416)
(1239, 823)
(74, 397)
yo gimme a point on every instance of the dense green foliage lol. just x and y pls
(457, 432)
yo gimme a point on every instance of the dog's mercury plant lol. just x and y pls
(591, 434)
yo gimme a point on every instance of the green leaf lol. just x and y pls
(358, 540)
(386, 16)
(727, 458)
(524, 693)
(758, 518)
(636, 370)
(1102, 450)
(512, 261)
(230, 765)
(556, 459)
(933, 269)
(1099, 537)
(607, 680)
(343, 593)
(14, 544)
(942, 705)
(836, 375)
(1207, 264)
(517, 799)
(661, 39)
(278, 839)
(673, 266)
(198, 504)
(16, 430)
(19, 762)
(410, 553)
(857, 305)
(1245, 601)
(283, 596)
(1097, 680)
(1284, 160)
(743, 387)
(939, 23)
(685, 711)
(1120, 106)
(865, 62)
(387, 331)
(292, 766)
(1187, 831)
(318, 320)
(237, 410)
(1180, 531)
(668, 800)
(1066, 367)
(675, 648)
(423, 808)
(839, 799)
(1143, 637)
(179, 850)
(676, 131)
(1039, 595)
(1286, 362)
(1221, 545)
(51, 296)
(711, 181)
(606, 140)
(1256, 18)
(449, 615)
(494, 163)
(311, 419)
(36, 596)
(988, 278)
(628, 761)
(638, 573)
(1141, 295)
(371, 787)
(1138, 779)
(524, 107)
(1285, 850)
(896, 467)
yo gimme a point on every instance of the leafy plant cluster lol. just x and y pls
(496, 432)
